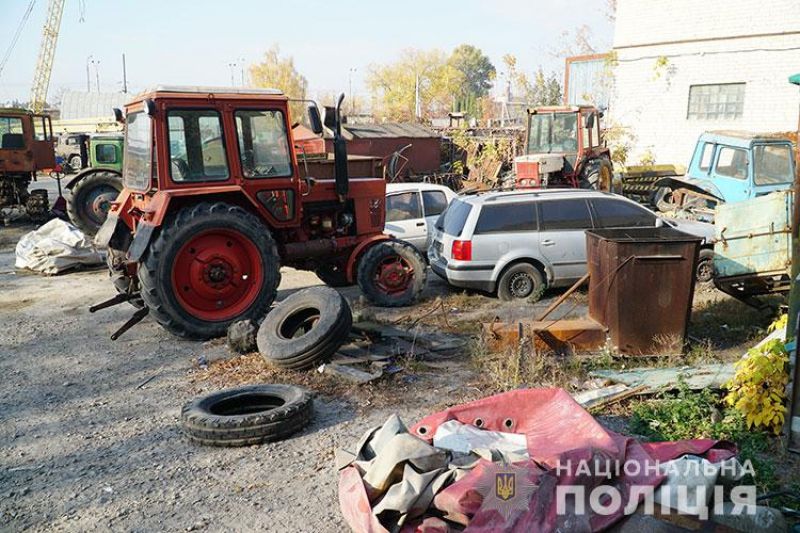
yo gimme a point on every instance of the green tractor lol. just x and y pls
(93, 189)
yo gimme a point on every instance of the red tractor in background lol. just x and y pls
(215, 203)
(564, 148)
(26, 147)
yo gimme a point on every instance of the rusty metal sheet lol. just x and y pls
(754, 236)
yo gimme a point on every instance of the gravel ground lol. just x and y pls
(89, 433)
(88, 443)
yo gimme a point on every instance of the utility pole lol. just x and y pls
(792, 422)
(88, 77)
(241, 64)
(352, 100)
(232, 66)
(417, 103)
(124, 75)
(97, 73)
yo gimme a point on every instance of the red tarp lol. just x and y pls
(558, 432)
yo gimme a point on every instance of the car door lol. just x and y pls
(730, 173)
(562, 241)
(404, 218)
(434, 202)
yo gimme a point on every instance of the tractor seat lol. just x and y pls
(13, 141)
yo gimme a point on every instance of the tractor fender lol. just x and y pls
(84, 173)
(689, 184)
(350, 269)
(141, 240)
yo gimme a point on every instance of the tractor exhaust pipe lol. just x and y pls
(333, 120)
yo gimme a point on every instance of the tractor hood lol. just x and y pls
(700, 186)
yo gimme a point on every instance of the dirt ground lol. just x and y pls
(89, 433)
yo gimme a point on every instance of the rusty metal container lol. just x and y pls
(641, 286)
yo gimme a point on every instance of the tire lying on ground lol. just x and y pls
(242, 416)
(305, 329)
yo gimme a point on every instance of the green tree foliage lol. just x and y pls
(477, 76)
(542, 90)
(394, 86)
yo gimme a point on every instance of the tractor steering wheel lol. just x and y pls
(181, 166)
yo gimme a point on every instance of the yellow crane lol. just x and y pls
(47, 51)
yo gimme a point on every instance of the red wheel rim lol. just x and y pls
(217, 274)
(393, 275)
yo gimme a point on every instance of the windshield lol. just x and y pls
(452, 220)
(773, 164)
(11, 137)
(138, 158)
(553, 132)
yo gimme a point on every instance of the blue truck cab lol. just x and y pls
(730, 166)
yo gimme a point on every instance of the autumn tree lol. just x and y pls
(279, 72)
(477, 76)
(420, 84)
(539, 91)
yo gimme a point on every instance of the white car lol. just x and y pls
(412, 210)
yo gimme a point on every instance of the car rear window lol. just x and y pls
(453, 219)
(564, 214)
(613, 213)
(507, 217)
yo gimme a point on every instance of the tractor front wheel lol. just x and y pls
(209, 266)
(91, 198)
(392, 273)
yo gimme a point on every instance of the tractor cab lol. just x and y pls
(26, 142)
(26, 147)
(563, 148)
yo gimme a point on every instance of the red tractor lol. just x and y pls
(564, 148)
(26, 148)
(214, 204)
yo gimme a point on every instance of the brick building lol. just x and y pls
(685, 67)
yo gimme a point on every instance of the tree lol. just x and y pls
(477, 75)
(420, 84)
(279, 72)
(543, 90)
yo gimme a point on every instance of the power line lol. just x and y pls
(17, 34)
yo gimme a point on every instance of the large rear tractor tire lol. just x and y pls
(91, 198)
(598, 175)
(209, 266)
(392, 273)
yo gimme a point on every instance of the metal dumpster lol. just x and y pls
(641, 286)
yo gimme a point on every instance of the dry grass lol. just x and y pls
(528, 364)
(252, 368)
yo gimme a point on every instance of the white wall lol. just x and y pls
(653, 102)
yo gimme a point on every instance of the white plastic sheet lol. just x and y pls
(55, 247)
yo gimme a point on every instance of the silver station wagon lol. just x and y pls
(520, 243)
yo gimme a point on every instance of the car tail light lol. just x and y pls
(462, 250)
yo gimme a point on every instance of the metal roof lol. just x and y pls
(80, 105)
(390, 130)
(745, 136)
(202, 89)
(795, 79)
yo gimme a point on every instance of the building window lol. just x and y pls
(716, 102)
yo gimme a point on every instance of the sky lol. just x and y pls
(186, 42)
